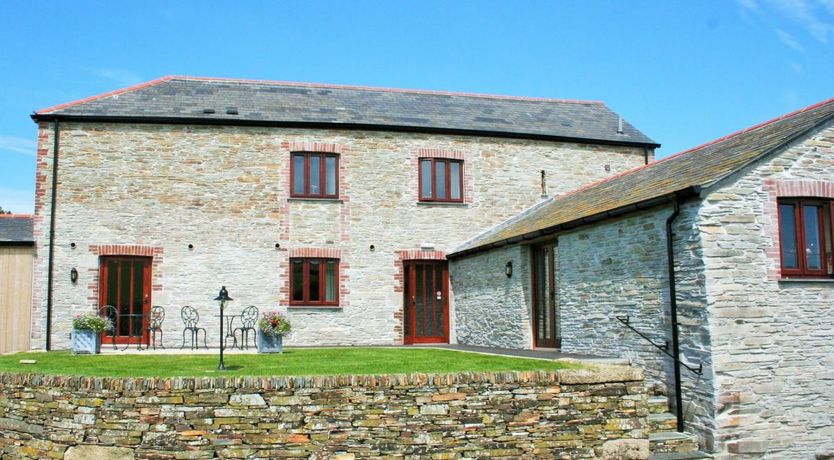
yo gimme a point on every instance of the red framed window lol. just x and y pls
(804, 234)
(314, 175)
(314, 281)
(441, 180)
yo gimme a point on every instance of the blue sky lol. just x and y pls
(682, 72)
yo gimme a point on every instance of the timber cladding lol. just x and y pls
(571, 413)
(15, 297)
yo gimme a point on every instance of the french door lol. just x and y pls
(426, 301)
(125, 283)
(546, 332)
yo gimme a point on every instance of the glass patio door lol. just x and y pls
(545, 307)
(426, 303)
(125, 283)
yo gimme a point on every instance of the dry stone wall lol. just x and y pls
(225, 191)
(587, 413)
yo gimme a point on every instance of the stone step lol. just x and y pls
(680, 456)
(658, 404)
(662, 422)
(673, 441)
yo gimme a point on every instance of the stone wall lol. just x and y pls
(772, 345)
(225, 191)
(589, 413)
(491, 309)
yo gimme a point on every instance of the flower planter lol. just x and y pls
(270, 343)
(86, 342)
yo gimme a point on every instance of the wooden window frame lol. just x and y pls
(824, 214)
(448, 184)
(305, 273)
(322, 175)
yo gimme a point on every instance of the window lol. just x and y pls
(804, 236)
(315, 175)
(441, 180)
(314, 281)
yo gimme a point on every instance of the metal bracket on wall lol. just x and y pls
(626, 321)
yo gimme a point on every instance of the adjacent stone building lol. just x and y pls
(743, 225)
(334, 204)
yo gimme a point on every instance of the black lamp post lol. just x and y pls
(223, 297)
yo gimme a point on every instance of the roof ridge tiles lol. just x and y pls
(384, 89)
(116, 92)
(696, 148)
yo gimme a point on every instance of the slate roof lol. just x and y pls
(187, 99)
(685, 172)
(16, 229)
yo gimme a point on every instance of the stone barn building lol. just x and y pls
(743, 227)
(386, 217)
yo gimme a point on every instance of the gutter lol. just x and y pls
(673, 309)
(49, 271)
(332, 125)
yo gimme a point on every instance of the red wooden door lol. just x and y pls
(426, 301)
(125, 283)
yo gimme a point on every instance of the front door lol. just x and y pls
(545, 308)
(126, 285)
(426, 302)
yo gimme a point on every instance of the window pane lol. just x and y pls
(298, 174)
(813, 253)
(440, 178)
(315, 175)
(787, 231)
(315, 267)
(454, 180)
(330, 171)
(297, 280)
(330, 281)
(425, 178)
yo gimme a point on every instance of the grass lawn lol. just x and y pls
(294, 361)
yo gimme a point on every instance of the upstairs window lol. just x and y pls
(314, 281)
(315, 175)
(441, 180)
(804, 237)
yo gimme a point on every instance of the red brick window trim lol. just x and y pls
(125, 250)
(155, 252)
(801, 225)
(412, 254)
(314, 175)
(316, 147)
(428, 163)
(316, 278)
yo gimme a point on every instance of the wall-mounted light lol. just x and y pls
(508, 269)
(73, 275)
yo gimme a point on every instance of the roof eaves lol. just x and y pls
(102, 96)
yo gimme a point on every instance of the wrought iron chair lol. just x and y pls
(248, 319)
(190, 318)
(155, 325)
(109, 312)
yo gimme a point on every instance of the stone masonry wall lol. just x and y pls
(491, 309)
(565, 414)
(772, 338)
(618, 268)
(225, 190)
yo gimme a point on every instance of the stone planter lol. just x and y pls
(86, 342)
(270, 343)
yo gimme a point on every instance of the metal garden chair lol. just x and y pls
(248, 320)
(155, 325)
(190, 319)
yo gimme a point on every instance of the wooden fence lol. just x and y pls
(15, 297)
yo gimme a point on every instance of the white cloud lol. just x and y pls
(797, 67)
(807, 13)
(18, 201)
(748, 4)
(18, 145)
(789, 40)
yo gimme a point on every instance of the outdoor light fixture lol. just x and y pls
(223, 297)
(73, 275)
(508, 269)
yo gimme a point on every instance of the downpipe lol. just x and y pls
(673, 310)
(49, 270)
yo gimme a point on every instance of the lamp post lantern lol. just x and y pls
(223, 297)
